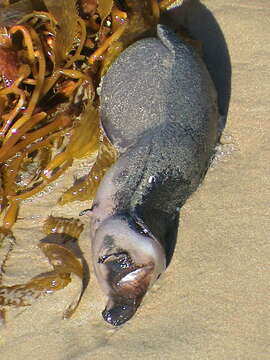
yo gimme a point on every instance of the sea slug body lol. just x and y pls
(158, 107)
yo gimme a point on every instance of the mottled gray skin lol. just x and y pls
(159, 109)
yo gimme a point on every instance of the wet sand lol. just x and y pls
(213, 301)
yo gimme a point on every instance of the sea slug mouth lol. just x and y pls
(121, 311)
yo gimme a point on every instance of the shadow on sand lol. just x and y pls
(202, 25)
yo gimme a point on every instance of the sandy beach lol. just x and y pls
(213, 301)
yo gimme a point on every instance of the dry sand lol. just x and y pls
(213, 301)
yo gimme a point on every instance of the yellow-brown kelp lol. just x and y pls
(65, 266)
(85, 189)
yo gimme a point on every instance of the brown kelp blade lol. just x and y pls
(66, 14)
(62, 259)
(86, 188)
(27, 294)
(71, 308)
(65, 263)
(65, 266)
(60, 225)
(104, 8)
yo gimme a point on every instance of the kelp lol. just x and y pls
(86, 188)
(64, 262)
(104, 8)
(7, 243)
(58, 225)
(67, 18)
(29, 138)
(80, 145)
(10, 14)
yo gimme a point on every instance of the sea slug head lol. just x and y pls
(127, 261)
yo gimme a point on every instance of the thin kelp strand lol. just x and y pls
(73, 74)
(9, 172)
(11, 215)
(40, 185)
(51, 80)
(42, 15)
(40, 142)
(100, 51)
(35, 96)
(71, 308)
(8, 118)
(7, 242)
(24, 72)
(5, 150)
(27, 40)
(77, 56)
(60, 122)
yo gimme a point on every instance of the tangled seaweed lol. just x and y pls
(52, 57)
